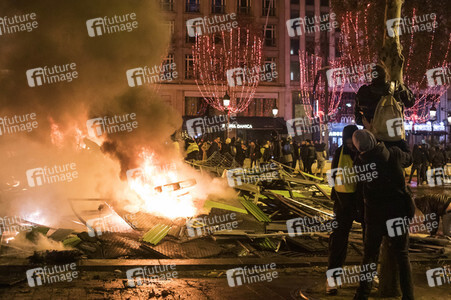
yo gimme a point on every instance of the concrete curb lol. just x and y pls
(107, 265)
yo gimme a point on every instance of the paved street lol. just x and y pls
(205, 285)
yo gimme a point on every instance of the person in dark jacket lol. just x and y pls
(417, 161)
(276, 148)
(240, 152)
(266, 152)
(287, 151)
(435, 206)
(424, 162)
(295, 154)
(368, 97)
(437, 162)
(346, 206)
(386, 198)
(310, 156)
(304, 153)
(254, 154)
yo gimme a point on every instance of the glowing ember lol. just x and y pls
(164, 189)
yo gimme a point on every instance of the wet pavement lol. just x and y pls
(207, 284)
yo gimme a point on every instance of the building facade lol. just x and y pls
(279, 46)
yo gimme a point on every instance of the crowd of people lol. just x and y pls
(297, 155)
(424, 156)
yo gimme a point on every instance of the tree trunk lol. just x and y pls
(391, 54)
(393, 60)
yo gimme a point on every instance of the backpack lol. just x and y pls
(388, 121)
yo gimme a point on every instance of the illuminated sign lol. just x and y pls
(424, 127)
(240, 126)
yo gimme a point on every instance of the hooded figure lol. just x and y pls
(380, 171)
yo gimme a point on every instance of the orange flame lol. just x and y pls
(161, 189)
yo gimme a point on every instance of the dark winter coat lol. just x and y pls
(417, 156)
(304, 152)
(385, 195)
(296, 149)
(438, 160)
(240, 154)
(311, 153)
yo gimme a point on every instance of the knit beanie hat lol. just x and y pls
(364, 140)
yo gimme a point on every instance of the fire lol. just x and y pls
(163, 188)
(56, 135)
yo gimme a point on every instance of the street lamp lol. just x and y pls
(226, 103)
(433, 111)
(275, 111)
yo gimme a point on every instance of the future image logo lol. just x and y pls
(418, 23)
(50, 75)
(18, 23)
(254, 274)
(395, 127)
(199, 126)
(109, 25)
(54, 174)
(111, 125)
(438, 276)
(146, 75)
(436, 176)
(150, 274)
(439, 76)
(209, 25)
(299, 26)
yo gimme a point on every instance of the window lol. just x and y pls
(270, 36)
(310, 2)
(193, 106)
(310, 44)
(169, 59)
(189, 66)
(190, 39)
(294, 71)
(192, 6)
(294, 13)
(294, 2)
(324, 2)
(269, 6)
(259, 107)
(217, 6)
(170, 26)
(244, 7)
(294, 46)
(270, 68)
(167, 5)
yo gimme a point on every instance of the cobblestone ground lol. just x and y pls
(206, 285)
